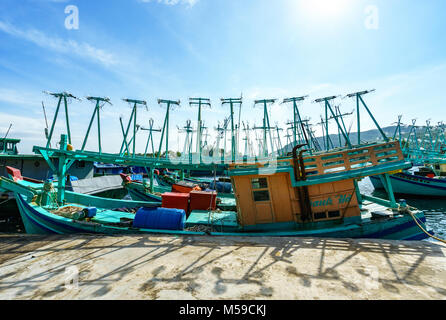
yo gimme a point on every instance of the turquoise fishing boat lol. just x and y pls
(302, 196)
(415, 182)
(427, 176)
(310, 193)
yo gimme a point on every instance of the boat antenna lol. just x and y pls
(46, 122)
(7, 132)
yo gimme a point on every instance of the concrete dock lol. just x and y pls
(170, 267)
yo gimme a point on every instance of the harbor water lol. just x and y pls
(434, 209)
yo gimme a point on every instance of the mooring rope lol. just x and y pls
(424, 230)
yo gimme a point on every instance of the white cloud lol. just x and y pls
(26, 99)
(83, 49)
(22, 127)
(190, 3)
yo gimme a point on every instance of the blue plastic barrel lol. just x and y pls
(222, 187)
(160, 218)
(90, 212)
(136, 177)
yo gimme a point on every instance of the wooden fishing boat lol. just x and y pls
(311, 196)
(426, 178)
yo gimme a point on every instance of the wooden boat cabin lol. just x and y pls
(9, 146)
(303, 192)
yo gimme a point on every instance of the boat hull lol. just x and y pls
(39, 221)
(413, 185)
(139, 195)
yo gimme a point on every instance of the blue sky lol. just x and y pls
(176, 49)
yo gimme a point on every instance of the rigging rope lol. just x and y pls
(424, 230)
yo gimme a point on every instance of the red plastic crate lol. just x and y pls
(15, 173)
(175, 200)
(181, 189)
(203, 200)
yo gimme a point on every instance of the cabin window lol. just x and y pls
(10, 146)
(259, 183)
(1, 146)
(320, 215)
(260, 189)
(262, 195)
(334, 214)
(80, 164)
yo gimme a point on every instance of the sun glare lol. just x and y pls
(324, 8)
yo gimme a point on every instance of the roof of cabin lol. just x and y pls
(9, 140)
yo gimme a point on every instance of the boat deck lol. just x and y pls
(368, 207)
(223, 221)
(220, 221)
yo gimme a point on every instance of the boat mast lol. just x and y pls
(340, 116)
(234, 143)
(135, 103)
(297, 120)
(165, 132)
(288, 137)
(440, 138)
(278, 142)
(266, 125)
(427, 132)
(187, 149)
(327, 105)
(398, 128)
(200, 102)
(65, 97)
(97, 107)
(150, 137)
(325, 139)
(358, 96)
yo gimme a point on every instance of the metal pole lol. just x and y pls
(62, 168)
(373, 118)
(66, 117)
(126, 132)
(89, 127)
(54, 122)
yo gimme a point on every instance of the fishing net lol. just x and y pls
(68, 211)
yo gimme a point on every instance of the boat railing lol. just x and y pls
(337, 162)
